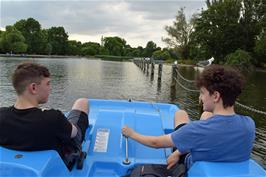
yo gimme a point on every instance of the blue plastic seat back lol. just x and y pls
(38, 163)
(247, 168)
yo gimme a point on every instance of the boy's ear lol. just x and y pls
(217, 96)
(32, 88)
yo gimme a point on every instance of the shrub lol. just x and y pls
(187, 62)
(240, 59)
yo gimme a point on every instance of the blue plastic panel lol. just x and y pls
(105, 146)
(240, 169)
(38, 163)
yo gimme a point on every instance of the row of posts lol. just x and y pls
(144, 64)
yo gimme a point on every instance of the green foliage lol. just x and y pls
(173, 54)
(73, 47)
(12, 41)
(48, 49)
(36, 39)
(103, 51)
(90, 49)
(239, 59)
(187, 62)
(217, 28)
(161, 55)
(55, 41)
(113, 58)
(226, 26)
(179, 34)
(150, 48)
(1, 46)
(260, 48)
(115, 45)
(58, 38)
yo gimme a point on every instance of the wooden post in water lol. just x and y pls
(144, 67)
(174, 75)
(148, 66)
(160, 69)
(152, 69)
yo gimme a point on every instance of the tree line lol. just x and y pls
(27, 36)
(231, 31)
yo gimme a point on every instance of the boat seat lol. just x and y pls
(247, 168)
(34, 164)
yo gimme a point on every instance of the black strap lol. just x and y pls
(157, 170)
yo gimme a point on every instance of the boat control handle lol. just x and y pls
(126, 161)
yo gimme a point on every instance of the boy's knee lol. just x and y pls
(82, 101)
(81, 104)
(181, 116)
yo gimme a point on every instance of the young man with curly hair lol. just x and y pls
(220, 136)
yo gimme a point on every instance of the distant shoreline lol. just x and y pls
(67, 56)
(37, 56)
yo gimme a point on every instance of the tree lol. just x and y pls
(1, 47)
(93, 48)
(48, 49)
(73, 47)
(149, 49)
(115, 45)
(226, 26)
(260, 48)
(179, 34)
(161, 55)
(34, 36)
(88, 51)
(13, 41)
(140, 50)
(239, 59)
(103, 51)
(217, 29)
(173, 53)
(251, 14)
(58, 38)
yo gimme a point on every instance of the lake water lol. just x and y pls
(75, 78)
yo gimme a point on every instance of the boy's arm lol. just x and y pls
(151, 141)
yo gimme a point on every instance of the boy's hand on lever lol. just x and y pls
(128, 132)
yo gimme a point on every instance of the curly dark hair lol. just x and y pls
(26, 73)
(225, 80)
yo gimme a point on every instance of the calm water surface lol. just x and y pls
(74, 78)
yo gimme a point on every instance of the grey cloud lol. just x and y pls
(133, 19)
(166, 9)
(77, 17)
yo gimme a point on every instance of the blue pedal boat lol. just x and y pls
(106, 147)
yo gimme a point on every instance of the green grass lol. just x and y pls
(113, 58)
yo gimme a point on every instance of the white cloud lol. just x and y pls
(136, 21)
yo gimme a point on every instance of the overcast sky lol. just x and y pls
(137, 21)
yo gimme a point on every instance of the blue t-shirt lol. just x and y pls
(217, 139)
